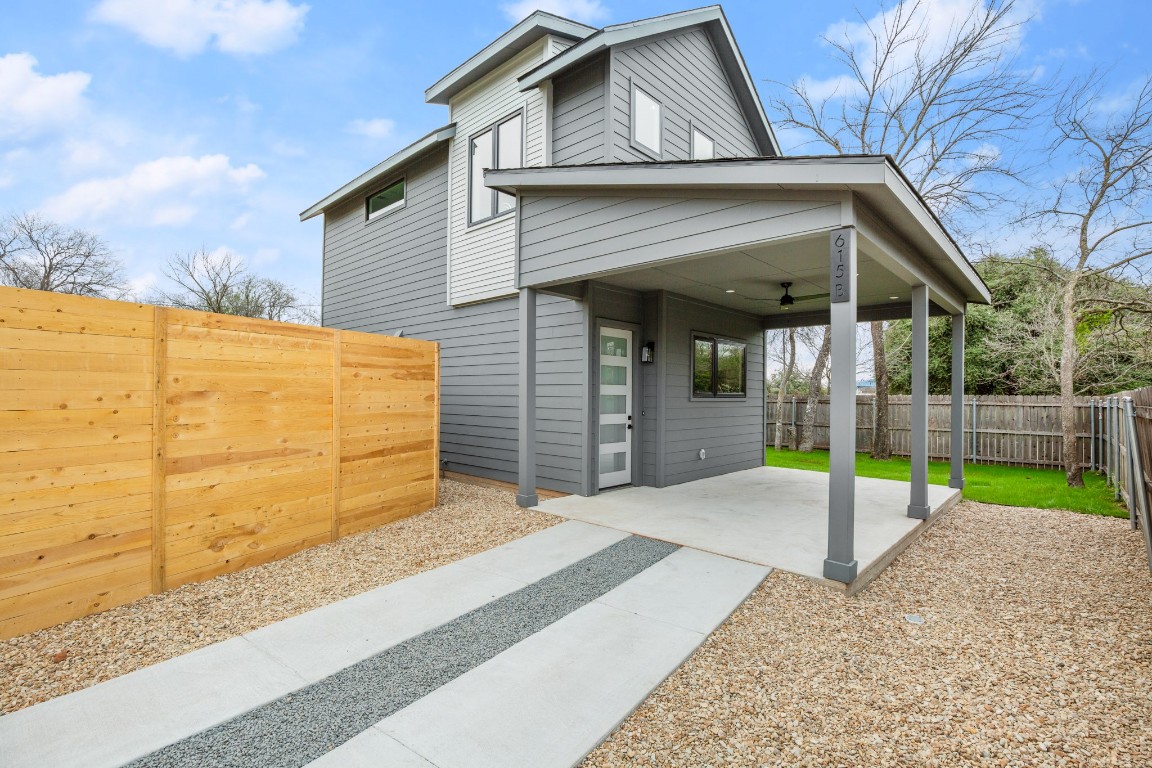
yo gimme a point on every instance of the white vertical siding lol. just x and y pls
(482, 258)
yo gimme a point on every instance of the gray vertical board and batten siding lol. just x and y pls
(389, 275)
(682, 72)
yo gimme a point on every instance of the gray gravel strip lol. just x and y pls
(305, 725)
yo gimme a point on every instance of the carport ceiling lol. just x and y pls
(749, 280)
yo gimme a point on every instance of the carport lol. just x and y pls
(849, 234)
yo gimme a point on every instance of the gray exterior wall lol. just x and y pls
(683, 73)
(570, 236)
(731, 432)
(390, 274)
(578, 115)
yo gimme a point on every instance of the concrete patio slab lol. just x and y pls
(767, 515)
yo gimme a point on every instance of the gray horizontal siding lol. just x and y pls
(390, 275)
(731, 432)
(578, 115)
(564, 237)
(683, 72)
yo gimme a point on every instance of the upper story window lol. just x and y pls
(499, 146)
(647, 122)
(388, 199)
(703, 148)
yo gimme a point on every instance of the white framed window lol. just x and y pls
(703, 148)
(647, 122)
(389, 199)
(499, 146)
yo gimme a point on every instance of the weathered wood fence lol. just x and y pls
(1020, 431)
(142, 448)
(1122, 451)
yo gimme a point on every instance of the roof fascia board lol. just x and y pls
(503, 48)
(389, 166)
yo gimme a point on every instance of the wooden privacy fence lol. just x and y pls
(1016, 430)
(1122, 451)
(142, 448)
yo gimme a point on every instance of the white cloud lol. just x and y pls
(161, 192)
(587, 11)
(378, 128)
(189, 26)
(31, 103)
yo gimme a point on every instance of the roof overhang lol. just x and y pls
(874, 179)
(711, 18)
(501, 50)
(377, 175)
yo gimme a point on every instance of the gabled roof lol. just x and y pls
(378, 174)
(712, 17)
(502, 49)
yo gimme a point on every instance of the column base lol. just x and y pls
(956, 482)
(919, 513)
(527, 500)
(845, 573)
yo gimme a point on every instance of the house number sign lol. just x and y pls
(841, 280)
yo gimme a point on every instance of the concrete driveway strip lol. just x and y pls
(123, 719)
(549, 700)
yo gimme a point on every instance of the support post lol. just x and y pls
(1092, 435)
(526, 403)
(956, 435)
(918, 504)
(841, 565)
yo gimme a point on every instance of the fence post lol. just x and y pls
(159, 451)
(795, 436)
(337, 406)
(1092, 435)
(1116, 444)
(973, 430)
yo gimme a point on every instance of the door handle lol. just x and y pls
(629, 421)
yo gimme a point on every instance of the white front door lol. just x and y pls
(615, 456)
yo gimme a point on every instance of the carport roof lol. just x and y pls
(875, 179)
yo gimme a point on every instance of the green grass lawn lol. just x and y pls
(1012, 486)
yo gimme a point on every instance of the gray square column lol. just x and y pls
(956, 478)
(918, 506)
(840, 565)
(526, 402)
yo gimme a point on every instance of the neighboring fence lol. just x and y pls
(1021, 431)
(142, 448)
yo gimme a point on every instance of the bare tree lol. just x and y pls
(815, 379)
(219, 282)
(943, 101)
(39, 254)
(881, 438)
(1105, 209)
(788, 352)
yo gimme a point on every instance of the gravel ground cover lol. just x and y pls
(306, 724)
(1036, 650)
(68, 657)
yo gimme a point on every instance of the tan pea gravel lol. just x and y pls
(1036, 651)
(469, 519)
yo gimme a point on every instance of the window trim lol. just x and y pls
(391, 208)
(634, 142)
(693, 129)
(493, 127)
(715, 395)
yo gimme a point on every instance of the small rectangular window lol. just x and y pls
(719, 367)
(388, 199)
(647, 121)
(703, 148)
(501, 146)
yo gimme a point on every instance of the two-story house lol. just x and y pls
(598, 239)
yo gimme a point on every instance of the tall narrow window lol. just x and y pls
(501, 146)
(703, 148)
(647, 122)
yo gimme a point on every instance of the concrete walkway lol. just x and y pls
(546, 700)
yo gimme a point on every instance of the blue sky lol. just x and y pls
(169, 125)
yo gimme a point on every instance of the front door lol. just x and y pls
(615, 457)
